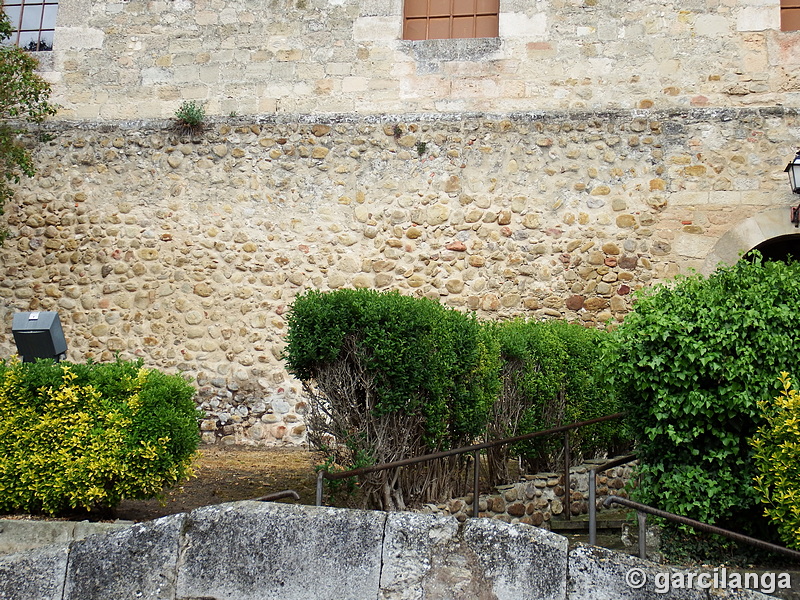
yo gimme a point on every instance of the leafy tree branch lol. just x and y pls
(24, 97)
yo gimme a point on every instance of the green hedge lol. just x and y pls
(88, 435)
(420, 357)
(390, 376)
(553, 374)
(695, 358)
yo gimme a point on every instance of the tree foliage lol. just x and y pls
(24, 97)
(777, 459)
(694, 359)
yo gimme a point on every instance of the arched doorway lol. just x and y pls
(770, 231)
(780, 248)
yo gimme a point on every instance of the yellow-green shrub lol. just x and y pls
(777, 459)
(85, 436)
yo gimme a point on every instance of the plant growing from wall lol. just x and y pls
(24, 97)
(87, 436)
(695, 358)
(390, 377)
(190, 117)
(777, 460)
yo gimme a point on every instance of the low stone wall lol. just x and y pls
(265, 419)
(20, 535)
(539, 497)
(261, 551)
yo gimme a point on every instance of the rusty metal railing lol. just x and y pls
(643, 510)
(278, 496)
(475, 450)
(593, 491)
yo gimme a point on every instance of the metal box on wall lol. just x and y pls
(38, 335)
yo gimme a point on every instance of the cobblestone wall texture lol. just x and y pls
(187, 252)
(588, 151)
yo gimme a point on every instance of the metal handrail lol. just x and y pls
(476, 448)
(593, 491)
(643, 510)
(278, 496)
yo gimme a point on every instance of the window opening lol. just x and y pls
(790, 15)
(34, 23)
(446, 19)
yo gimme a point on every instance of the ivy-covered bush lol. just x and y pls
(777, 460)
(390, 377)
(694, 359)
(88, 435)
(552, 374)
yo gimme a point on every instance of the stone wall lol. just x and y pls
(132, 60)
(188, 251)
(586, 152)
(539, 497)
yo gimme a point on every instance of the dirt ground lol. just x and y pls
(225, 474)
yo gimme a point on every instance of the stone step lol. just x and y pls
(578, 526)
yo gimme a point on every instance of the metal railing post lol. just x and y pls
(603, 468)
(592, 507)
(642, 517)
(476, 482)
(320, 479)
(567, 490)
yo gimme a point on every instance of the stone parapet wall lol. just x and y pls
(187, 252)
(539, 497)
(250, 550)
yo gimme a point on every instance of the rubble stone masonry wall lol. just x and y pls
(536, 499)
(188, 251)
(591, 149)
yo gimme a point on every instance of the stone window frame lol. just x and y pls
(790, 15)
(33, 23)
(450, 19)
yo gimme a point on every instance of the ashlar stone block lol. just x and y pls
(428, 556)
(600, 574)
(35, 575)
(136, 562)
(280, 551)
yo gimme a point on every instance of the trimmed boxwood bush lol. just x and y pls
(88, 435)
(553, 374)
(389, 377)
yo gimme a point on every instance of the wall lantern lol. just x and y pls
(793, 169)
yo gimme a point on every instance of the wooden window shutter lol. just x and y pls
(446, 19)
